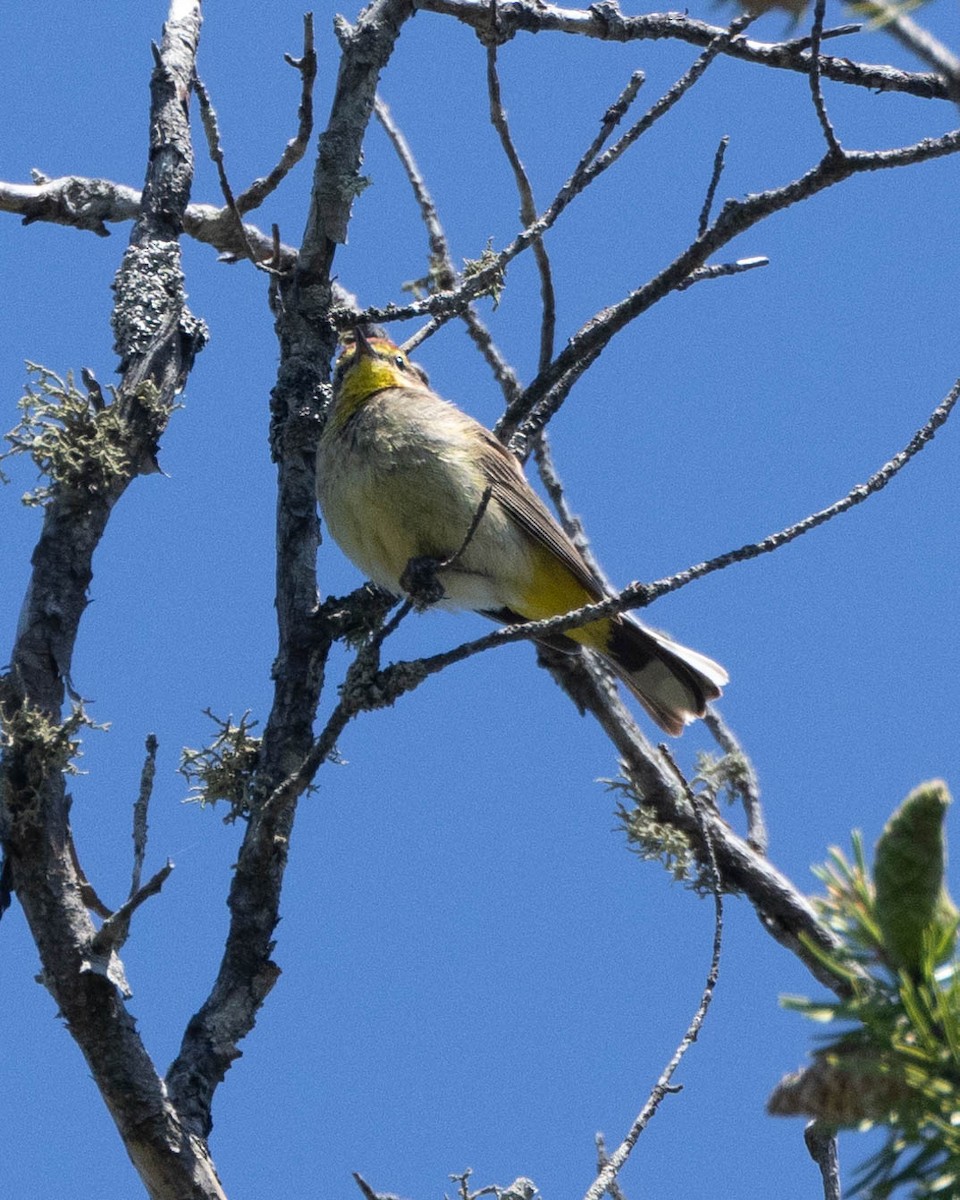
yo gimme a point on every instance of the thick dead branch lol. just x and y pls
(606, 22)
(92, 204)
(337, 180)
(156, 339)
(893, 20)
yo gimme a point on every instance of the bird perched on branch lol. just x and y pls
(428, 503)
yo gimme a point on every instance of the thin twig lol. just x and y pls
(616, 1161)
(296, 782)
(503, 373)
(140, 809)
(425, 332)
(420, 578)
(441, 263)
(714, 183)
(670, 97)
(113, 932)
(611, 119)
(816, 88)
(208, 118)
(528, 207)
(746, 784)
(721, 271)
(877, 482)
(295, 149)
(469, 535)
(614, 1191)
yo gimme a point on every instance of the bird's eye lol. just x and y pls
(401, 362)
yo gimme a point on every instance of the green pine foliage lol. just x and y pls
(892, 1055)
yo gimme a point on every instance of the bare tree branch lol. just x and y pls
(606, 22)
(614, 1191)
(113, 932)
(337, 181)
(157, 339)
(816, 87)
(441, 264)
(747, 784)
(293, 152)
(253, 196)
(528, 207)
(572, 525)
(782, 909)
(140, 810)
(722, 271)
(92, 204)
(704, 222)
(587, 170)
(208, 118)
(546, 393)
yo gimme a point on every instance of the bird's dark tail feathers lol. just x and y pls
(672, 682)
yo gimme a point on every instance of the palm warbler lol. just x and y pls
(401, 478)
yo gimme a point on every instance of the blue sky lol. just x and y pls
(475, 971)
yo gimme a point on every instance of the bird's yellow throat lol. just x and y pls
(360, 376)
